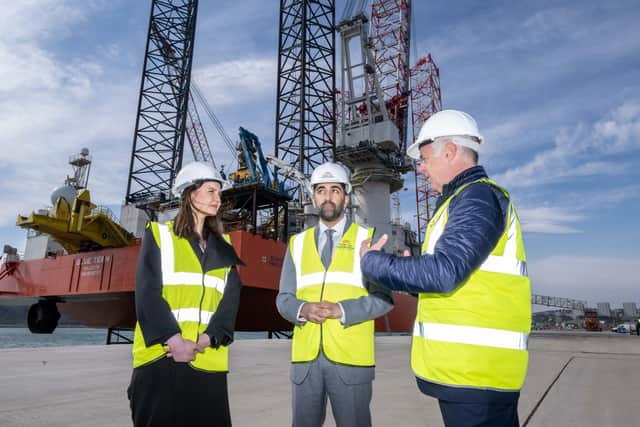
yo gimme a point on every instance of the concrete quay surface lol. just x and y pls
(574, 379)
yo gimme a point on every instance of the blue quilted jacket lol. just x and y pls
(476, 222)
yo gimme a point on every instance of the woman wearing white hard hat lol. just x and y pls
(187, 297)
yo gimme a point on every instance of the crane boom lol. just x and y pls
(290, 172)
(157, 155)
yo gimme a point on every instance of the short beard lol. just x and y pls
(338, 210)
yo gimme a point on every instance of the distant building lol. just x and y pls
(552, 318)
(630, 309)
(604, 309)
(618, 314)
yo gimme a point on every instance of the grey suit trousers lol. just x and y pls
(347, 387)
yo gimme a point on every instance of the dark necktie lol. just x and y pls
(328, 248)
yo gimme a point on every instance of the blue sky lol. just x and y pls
(554, 86)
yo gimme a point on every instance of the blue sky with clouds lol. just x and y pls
(554, 85)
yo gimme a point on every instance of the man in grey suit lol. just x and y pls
(322, 292)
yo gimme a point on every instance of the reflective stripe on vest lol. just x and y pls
(506, 263)
(171, 277)
(471, 335)
(193, 297)
(477, 336)
(349, 278)
(342, 280)
(192, 315)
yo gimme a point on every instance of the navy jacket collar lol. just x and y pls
(468, 175)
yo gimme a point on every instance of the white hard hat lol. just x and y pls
(195, 172)
(331, 172)
(448, 123)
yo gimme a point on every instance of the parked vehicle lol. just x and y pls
(623, 328)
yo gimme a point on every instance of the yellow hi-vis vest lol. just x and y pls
(476, 336)
(342, 280)
(192, 295)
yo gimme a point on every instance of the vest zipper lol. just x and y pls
(324, 279)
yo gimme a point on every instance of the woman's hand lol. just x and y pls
(181, 350)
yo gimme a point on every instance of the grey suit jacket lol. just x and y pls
(356, 310)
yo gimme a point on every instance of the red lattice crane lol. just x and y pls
(401, 85)
(389, 36)
(426, 99)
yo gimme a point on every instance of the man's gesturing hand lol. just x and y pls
(364, 248)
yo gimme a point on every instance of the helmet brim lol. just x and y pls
(413, 150)
(177, 191)
(347, 186)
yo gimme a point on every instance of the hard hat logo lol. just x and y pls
(331, 172)
(196, 172)
(448, 123)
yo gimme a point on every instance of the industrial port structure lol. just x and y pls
(84, 262)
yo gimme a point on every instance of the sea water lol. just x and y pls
(22, 337)
(12, 337)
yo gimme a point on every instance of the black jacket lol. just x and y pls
(152, 310)
(477, 218)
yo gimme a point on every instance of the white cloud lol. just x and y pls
(548, 220)
(529, 69)
(568, 214)
(40, 19)
(53, 103)
(49, 126)
(574, 150)
(595, 279)
(51, 107)
(621, 131)
(545, 25)
(614, 196)
(238, 81)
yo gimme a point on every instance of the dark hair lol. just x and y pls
(425, 142)
(184, 225)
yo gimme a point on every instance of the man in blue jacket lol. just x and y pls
(469, 346)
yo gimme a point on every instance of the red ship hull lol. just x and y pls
(97, 288)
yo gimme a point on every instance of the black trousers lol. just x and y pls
(167, 393)
(457, 414)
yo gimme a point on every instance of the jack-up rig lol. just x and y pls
(81, 262)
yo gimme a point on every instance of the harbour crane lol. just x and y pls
(96, 286)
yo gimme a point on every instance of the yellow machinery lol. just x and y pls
(79, 227)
